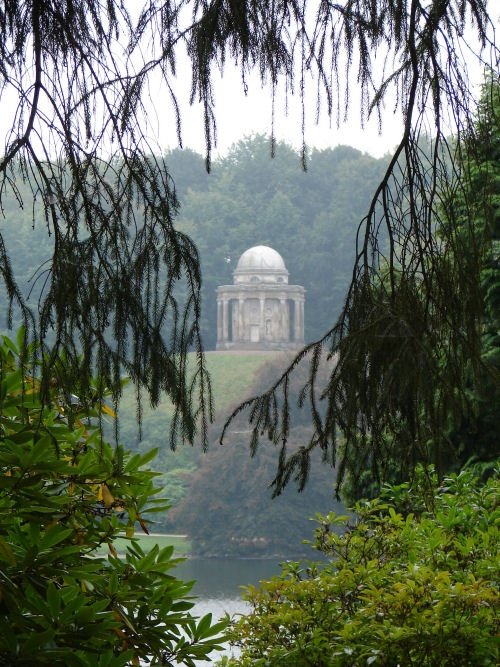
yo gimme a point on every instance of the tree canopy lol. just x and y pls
(121, 292)
(412, 581)
(66, 496)
(309, 217)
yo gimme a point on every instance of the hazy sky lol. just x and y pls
(238, 115)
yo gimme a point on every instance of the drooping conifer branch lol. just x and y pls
(123, 284)
(121, 294)
(411, 323)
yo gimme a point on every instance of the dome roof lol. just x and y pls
(261, 258)
(260, 264)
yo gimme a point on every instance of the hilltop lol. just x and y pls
(233, 376)
(222, 498)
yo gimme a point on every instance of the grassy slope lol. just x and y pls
(232, 375)
(181, 544)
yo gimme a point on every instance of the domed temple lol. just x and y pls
(260, 310)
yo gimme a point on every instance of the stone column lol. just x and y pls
(301, 307)
(284, 334)
(241, 327)
(297, 331)
(225, 322)
(219, 321)
(262, 322)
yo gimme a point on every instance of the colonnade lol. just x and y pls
(269, 327)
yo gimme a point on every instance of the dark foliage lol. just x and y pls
(411, 581)
(66, 496)
(476, 435)
(411, 321)
(120, 293)
(79, 134)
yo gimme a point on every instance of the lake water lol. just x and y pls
(219, 581)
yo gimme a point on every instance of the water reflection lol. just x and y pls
(222, 578)
(218, 584)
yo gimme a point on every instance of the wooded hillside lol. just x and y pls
(222, 498)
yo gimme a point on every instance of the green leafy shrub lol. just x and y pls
(403, 589)
(64, 493)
